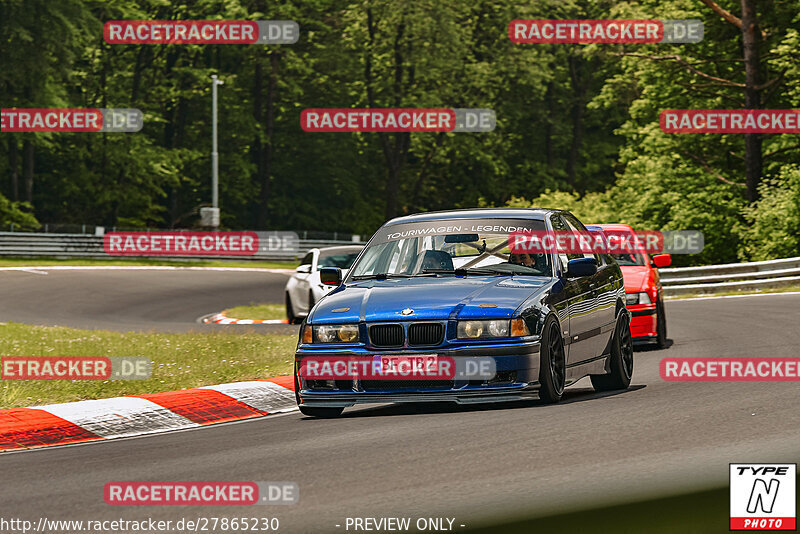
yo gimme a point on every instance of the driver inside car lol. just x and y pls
(534, 261)
(521, 259)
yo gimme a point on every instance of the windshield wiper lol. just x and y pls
(464, 272)
(384, 276)
(380, 276)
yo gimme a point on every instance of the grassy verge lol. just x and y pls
(258, 312)
(179, 360)
(49, 262)
(788, 289)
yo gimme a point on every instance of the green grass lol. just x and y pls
(49, 262)
(179, 360)
(257, 312)
(787, 289)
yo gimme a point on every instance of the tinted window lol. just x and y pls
(559, 226)
(342, 260)
(576, 226)
(629, 259)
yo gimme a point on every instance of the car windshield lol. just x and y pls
(451, 247)
(342, 260)
(629, 259)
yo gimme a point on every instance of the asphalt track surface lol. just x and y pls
(477, 465)
(135, 299)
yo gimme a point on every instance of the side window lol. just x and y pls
(576, 226)
(307, 259)
(559, 226)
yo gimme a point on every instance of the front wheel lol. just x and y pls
(661, 326)
(621, 360)
(290, 316)
(321, 412)
(552, 363)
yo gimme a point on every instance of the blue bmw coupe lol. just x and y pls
(448, 287)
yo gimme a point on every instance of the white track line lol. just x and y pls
(33, 271)
(734, 296)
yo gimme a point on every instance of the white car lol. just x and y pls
(304, 288)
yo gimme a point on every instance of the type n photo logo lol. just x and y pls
(763, 496)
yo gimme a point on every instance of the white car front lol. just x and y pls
(304, 288)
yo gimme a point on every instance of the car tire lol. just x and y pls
(661, 326)
(311, 301)
(621, 360)
(552, 363)
(290, 316)
(321, 412)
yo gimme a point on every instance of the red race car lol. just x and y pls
(643, 291)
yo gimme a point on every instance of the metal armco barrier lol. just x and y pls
(751, 276)
(24, 244)
(708, 279)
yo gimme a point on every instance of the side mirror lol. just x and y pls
(662, 260)
(581, 267)
(304, 268)
(330, 276)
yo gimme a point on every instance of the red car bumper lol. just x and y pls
(643, 321)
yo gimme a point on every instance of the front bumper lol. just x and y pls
(643, 322)
(517, 378)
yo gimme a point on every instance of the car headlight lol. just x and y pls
(637, 298)
(335, 333)
(474, 329)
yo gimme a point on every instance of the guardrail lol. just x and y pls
(65, 246)
(750, 276)
(709, 279)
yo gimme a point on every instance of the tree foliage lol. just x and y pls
(577, 125)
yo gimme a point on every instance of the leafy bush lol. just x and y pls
(16, 213)
(772, 228)
(591, 208)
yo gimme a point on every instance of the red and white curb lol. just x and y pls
(120, 417)
(221, 318)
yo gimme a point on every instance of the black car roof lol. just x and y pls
(475, 213)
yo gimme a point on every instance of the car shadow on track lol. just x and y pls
(585, 394)
(571, 396)
(651, 347)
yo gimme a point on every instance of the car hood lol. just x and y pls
(636, 277)
(430, 298)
